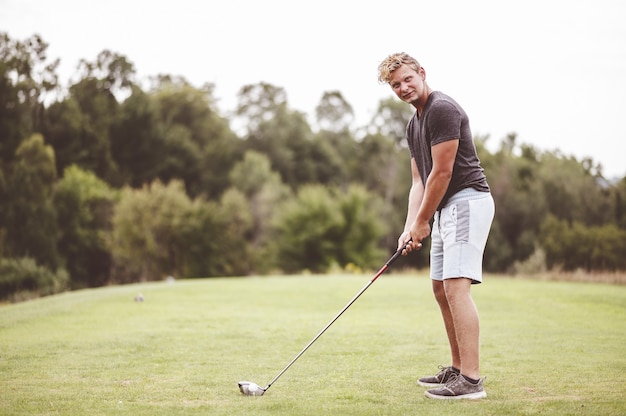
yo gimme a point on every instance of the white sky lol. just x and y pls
(552, 71)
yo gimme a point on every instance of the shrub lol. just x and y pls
(22, 278)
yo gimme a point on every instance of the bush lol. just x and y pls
(534, 264)
(325, 227)
(574, 245)
(22, 278)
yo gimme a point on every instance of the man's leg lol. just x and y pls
(442, 300)
(436, 271)
(464, 229)
(465, 324)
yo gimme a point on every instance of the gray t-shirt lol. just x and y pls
(443, 119)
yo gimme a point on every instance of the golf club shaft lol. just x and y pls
(376, 276)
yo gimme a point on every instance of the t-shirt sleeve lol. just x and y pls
(444, 122)
(409, 135)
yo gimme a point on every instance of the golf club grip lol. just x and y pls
(397, 254)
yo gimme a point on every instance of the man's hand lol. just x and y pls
(419, 230)
(407, 244)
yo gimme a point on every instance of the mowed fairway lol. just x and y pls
(553, 348)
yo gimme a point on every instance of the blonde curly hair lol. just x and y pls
(393, 62)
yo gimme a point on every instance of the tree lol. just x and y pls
(391, 119)
(259, 190)
(22, 278)
(334, 146)
(29, 216)
(335, 154)
(334, 113)
(322, 227)
(360, 236)
(145, 238)
(25, 79)
(573, 245)
(307, 229)
(572, 192)
(212, 237)
(159, 231)
(137, 146)
(79, 127)
(258, 103)
(515, 184)
(278, 132)
(84, 208)
(384, 168)
(197, 143)
(619, 198)
(385, 165)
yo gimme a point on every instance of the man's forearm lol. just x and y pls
(436, 187)
(416, 195)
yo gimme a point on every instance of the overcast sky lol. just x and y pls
(552, 71)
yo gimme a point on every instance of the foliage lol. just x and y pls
(210, 242)
(22, 278)
(95, 109)
(390, 120)
(26, 78)
(334, 113)
(194, 143)
(84, 205)
(30, 217)
(520, 206)
(322, 226)
(533, 186)
(158, 231)
(575, 245)
(571, 192)
(251, 203)
(178, 188)
(145, 226)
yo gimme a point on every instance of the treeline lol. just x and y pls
(110, 181)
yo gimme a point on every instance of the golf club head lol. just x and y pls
(249, 388)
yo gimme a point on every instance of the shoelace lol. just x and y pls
(443, 371)
(454, 379)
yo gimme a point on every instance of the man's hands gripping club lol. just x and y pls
(411, 240)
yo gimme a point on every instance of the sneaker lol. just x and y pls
(458, 388)
(439, 379)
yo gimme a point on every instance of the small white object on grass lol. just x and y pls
(250, 389)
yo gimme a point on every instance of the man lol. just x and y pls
(450, 188)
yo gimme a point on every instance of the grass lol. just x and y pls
(553, 348)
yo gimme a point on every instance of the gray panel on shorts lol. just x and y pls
(463, 221)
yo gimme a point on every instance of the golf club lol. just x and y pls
(249, 388)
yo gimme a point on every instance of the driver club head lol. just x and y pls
(249, 388)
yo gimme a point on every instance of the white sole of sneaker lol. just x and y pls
(421, 383)
(469, 396)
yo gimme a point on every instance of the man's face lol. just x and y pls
(408, 84)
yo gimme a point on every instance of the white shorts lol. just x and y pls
(459, 236)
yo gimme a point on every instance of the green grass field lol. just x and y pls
(552, 348)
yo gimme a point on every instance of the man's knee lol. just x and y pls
(454, 288)
(439, 291)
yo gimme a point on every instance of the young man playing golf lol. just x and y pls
(450, 188)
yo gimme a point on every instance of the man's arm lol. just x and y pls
(437, 183)
(416, 194)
